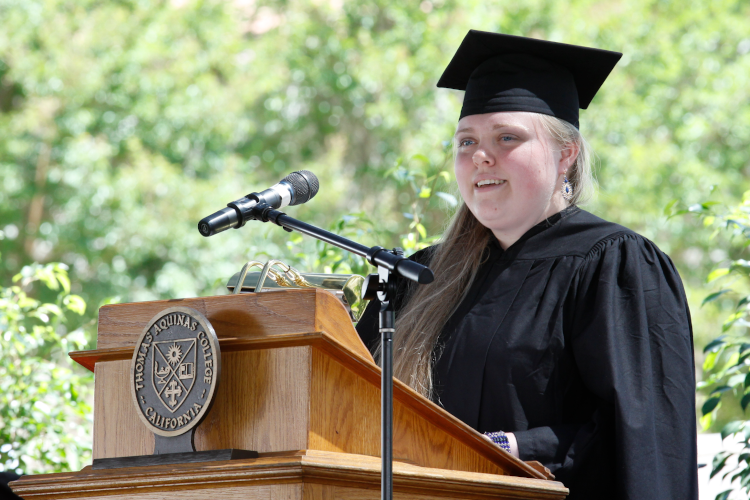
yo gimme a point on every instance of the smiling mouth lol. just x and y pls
(489, 182)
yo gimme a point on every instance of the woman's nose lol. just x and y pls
(483, 158)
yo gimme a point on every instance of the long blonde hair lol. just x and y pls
(455, 262)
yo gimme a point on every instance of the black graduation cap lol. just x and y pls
(512, 73)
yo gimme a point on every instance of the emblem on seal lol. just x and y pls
(175, 370)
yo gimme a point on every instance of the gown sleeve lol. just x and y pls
(368, 324)
(628, 327)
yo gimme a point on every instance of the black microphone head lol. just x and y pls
(204, 228)
(304, 184)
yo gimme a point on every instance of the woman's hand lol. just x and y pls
(513, 444)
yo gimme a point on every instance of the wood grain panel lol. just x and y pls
(286, 492)
(345, 392)
(250, 315)
(231, 316)
(345, 416)
(308, 475)
(314, 491)
(344, 411)
(118, 432)
(262, 403)
(344, 470)
(473, 443)
(329, 319)
(88, 359)
(173, 493)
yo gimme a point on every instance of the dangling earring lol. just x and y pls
(567, 188)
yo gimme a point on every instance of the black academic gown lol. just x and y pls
(577, 339)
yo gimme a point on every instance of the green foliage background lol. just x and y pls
(45, 417)
(122, 123)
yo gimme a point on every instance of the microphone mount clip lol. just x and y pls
(266, 213)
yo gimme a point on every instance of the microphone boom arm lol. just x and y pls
(377, 256)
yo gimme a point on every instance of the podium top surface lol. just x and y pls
(274, 316)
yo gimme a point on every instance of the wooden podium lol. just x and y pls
(298, 386)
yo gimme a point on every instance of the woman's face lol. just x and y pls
(509, 171)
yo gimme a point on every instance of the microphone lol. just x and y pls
(294, 189)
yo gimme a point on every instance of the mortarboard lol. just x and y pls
(512, 73)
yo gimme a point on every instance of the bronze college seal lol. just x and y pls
(175, 370)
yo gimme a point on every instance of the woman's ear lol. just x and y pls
(568, 156)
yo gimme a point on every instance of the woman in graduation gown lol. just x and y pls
(564, 338)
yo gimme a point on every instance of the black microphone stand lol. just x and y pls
(392, 266)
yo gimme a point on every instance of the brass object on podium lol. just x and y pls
(346, 287)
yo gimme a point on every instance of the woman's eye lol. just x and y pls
(465, 142)
(506, 138)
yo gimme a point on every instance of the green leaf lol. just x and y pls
(62, 277)
(421, 158)
(710, 405)
(724, 495)
(721, 389)
(717, 273)
(670, 205)
(741, 475)
(47, 276)
(116, 299)
(46, 309)
(732, 428)
(745, 401)
(422, 231)
(710, 361)
(731, 320)
(714, 296)
(75, 303)
(732, 361)
(425, 192)
(715, 344)
(727, 473)
(720, 459)
(736, 381)
(678, 212)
